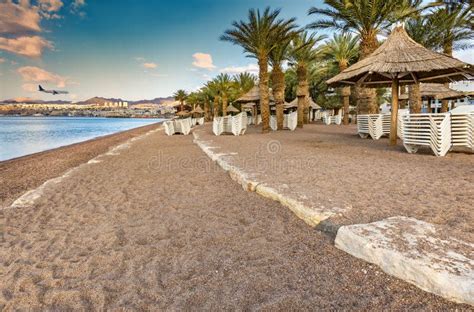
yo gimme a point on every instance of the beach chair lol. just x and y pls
(462, 130)
(290, 121)
(169, 127)
(431, 130)
(236, 125)
(218, 125)
(200, 121)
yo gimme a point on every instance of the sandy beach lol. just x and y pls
(156, 225)
(361, 179)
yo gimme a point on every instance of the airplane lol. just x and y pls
(54, 92)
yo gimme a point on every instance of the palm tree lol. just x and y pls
(213, 92)
(258, 37)
(277, 56)
(207, 97)
(180, 96)
(454, 25)
(443, 30)
(225, 88)
(302, 55)
(244, 82)
(367, 19)
(343, 49)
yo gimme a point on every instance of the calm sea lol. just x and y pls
(21, 136)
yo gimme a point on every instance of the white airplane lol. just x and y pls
(54, 92)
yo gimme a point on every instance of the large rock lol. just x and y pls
(415, 251)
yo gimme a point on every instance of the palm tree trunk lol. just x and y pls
(224, 105)
(302, 94)
(206, 111)
(414, 96)
(264, 92)
(403, 90)
(448, 50)
(216, 106)
(346, 92)
(367, 97)
(278, 84)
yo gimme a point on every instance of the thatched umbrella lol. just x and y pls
(253, 96)
(232, 109)
(400, 60)
(197, 110)
(312, 104)
(436, 91)
(182, 113)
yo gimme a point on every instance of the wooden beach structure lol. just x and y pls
(253, 96)
(435, 91)
(402, 61)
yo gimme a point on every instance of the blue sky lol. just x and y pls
(128, 49)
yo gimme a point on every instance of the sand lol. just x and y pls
(157, 225)
(332, 166)
(28, 172)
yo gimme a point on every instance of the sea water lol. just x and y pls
(21, 136)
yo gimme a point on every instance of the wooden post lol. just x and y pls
(394, 115)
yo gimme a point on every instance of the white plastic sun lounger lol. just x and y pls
(169, 127)
(236, 125)
(432, 130)
(290, 121)
(182, 126)
(327, 119)
(377, 125)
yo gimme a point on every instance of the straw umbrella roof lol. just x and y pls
(248, 105)
(403, 58)
(312, 104)
(182, 113)
(253, 95)
(437, 91)
(231, 109)
(197, 110)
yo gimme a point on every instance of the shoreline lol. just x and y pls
(20, 174)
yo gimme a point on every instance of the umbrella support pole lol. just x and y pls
(394, 115)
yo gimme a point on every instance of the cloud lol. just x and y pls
(30, 87)
(149, 65)
(32, 74)
(49, 7)
(76, 7)
(26, 46)
(250, 68)
(465, 55)
(203, 60)
(17, 19)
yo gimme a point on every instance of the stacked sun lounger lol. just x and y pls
(432, 130)
(182, 126)
(198, 121)
(370, 125)
(462, 130)
(235, 125)
(378, 125)
(290, 121)
(327, 119)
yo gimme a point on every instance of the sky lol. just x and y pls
(129, 49)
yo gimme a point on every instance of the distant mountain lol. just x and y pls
(158, 100)
(27, 100)
(98, 100)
